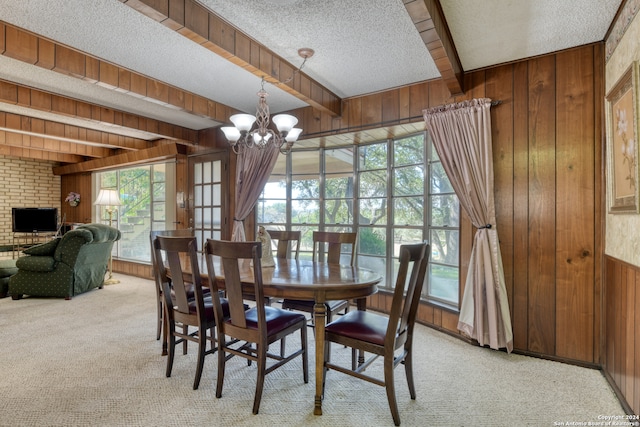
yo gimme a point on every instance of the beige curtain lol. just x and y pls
(461, 134)
(253, 169)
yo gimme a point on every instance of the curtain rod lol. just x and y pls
(396, 122)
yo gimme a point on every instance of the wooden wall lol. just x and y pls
(78, 183)
(547, 138)
(622, 331)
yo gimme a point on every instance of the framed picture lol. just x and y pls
(622, 143)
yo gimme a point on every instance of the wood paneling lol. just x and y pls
(575, 153)
(542, 208)
(547, 148)
(81, 184)
(622, 331)
(499, 85)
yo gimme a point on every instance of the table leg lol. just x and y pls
(320, 315)
(362, 305)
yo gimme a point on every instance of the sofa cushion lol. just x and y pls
(101, 232)
(8, 267)
(44, 248)
(36, 263)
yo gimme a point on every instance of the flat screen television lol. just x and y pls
(34, 220)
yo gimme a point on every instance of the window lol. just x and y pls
(145, 193)
(391, 192)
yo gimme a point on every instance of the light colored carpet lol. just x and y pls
(94, 361)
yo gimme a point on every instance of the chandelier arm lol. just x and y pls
(262, 135)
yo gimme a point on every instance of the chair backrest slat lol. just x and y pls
(231, 255)
(406, 295)
(333, 242)
(185, 232)
(182, 261)
(285, 239)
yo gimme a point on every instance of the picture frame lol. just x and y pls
(622, 143)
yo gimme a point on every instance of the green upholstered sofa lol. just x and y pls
(65, 266)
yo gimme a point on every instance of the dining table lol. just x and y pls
(313, 281)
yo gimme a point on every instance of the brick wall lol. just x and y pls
(27, 184)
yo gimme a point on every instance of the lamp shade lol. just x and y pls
(293, 135)
(108, 198)
(243, 121)
(232, 133)
(284, 122)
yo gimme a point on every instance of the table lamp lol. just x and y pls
(109, 198)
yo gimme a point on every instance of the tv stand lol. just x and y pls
(22, 241)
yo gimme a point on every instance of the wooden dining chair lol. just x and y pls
(288, 243)
(250, 332)
(160, 323)
(285, 243)
(327, 247)
(183, 311)
(384, 335)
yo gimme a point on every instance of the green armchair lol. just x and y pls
(65, 266)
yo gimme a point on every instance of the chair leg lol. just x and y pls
(391, 391)
(202, 350)
(212, 339)
(353, 359)
(408, 370)
(165, 334)
(185, 330)
(221, 365)
(283, 345)
(172, 352)
(160, 319)
(327, 359)
(305, 354)
(262, 361)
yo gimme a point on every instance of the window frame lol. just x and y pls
(98, 214)
(390, 197)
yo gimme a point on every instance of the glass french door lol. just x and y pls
(208, 197)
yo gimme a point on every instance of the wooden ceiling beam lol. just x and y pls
(204, 27)
(429, 20)
(61, 137)
(130, 158)
(33, 49)
(8, 148)
(15, 94)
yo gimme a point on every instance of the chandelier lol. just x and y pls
(243, 135)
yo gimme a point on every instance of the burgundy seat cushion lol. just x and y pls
(360, 325)
(190, 292)
(208, 307)
(277, 319)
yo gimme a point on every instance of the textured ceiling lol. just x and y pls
(362, 46)
(491, 32)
